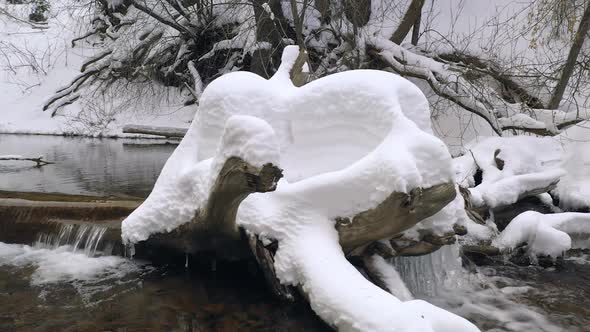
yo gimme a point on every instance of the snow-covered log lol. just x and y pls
(358, 163)
(544, 234)
(213, 227)
(155, 130)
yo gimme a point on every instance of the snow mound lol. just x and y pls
(574, 188)
(511, 168)
(545, 234)
(528, 162)
(345, 143)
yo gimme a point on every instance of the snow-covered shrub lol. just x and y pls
(39, 11)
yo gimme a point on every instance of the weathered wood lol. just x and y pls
(410, 18)
(399, 212)
(22, 220)
(298, 76)
(213, 228)
(265, 260)
(167, 132)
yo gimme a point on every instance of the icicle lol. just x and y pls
(129, 250)
(186, 261)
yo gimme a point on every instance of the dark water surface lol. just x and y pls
(149, 299)
(83, 165)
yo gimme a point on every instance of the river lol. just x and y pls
(52, 287)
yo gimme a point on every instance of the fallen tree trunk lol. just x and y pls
(213, 228)
(399, 212)
(168, 132)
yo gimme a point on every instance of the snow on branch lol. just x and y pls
(544, 234)
(447, 80)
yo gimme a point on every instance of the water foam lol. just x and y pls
(488, 300)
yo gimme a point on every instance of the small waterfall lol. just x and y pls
(79, 237)
(428, 274)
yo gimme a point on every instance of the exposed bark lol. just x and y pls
(399, 212)
(213, 228)
(265, 260)
(155, 130)
(23, 216)
(410, 18)
(570, 63)
(413, 248)
(357, 12)
(416, 30)
(298, 19)
(323, 6)
(298, 76)
(264, 58)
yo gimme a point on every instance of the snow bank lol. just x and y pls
(345, 142)
(41, 61)
(545, 234)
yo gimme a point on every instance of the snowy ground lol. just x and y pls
(36, 61)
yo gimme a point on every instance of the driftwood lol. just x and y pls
(265, 259)
(39, 160)
(168, 132)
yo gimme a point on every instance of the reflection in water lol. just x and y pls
(83, 165)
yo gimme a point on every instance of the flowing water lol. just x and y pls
(63, 283)
(504, 297)
(69, 281)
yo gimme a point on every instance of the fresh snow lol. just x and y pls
(544, 234)
(345, 142)
(529, 162)
(43, 61)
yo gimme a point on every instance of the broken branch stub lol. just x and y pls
(399, 212)
(214, 227)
